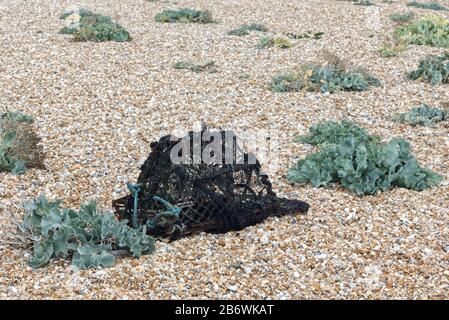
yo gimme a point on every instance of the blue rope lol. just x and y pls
(171, 208)
(172, 211)
(135, 189)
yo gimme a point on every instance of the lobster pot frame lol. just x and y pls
(178, 199)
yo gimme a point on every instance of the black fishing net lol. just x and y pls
(178, 199)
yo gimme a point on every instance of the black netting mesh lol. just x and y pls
(212, 198)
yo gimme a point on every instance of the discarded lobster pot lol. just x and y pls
(173, 198)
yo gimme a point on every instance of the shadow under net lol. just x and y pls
(201, 197)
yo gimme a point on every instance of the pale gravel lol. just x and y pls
(97, 106)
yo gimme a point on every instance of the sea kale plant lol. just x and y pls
(427, 5)
(434, 70)
(423, 116)
(90, 238)
(325, 78)
(430, 30)
(402, 17)
(246, 29)
(360, 2)
(85, 25)
(306, 35)
(359, 162)
(184, 15)
(279, 42)
(19, 143)
(388, 50)
(197, 68)
(8, 162)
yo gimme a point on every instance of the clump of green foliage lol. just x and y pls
(306, 35)
(430, 30)
(264, 42)
(388, 50)
(206, 67)
(358, 161)
(185, 15)
(428, 5)
(287, 82)
(246, 29)
(79, 11)
(85, 25)
(90, 238)
(8, 162)
(334, 133)
(362, 2)
(280, 42)
(423, 116)
(434, 70)
(326, 78)
(19, 143)
(402, 17)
